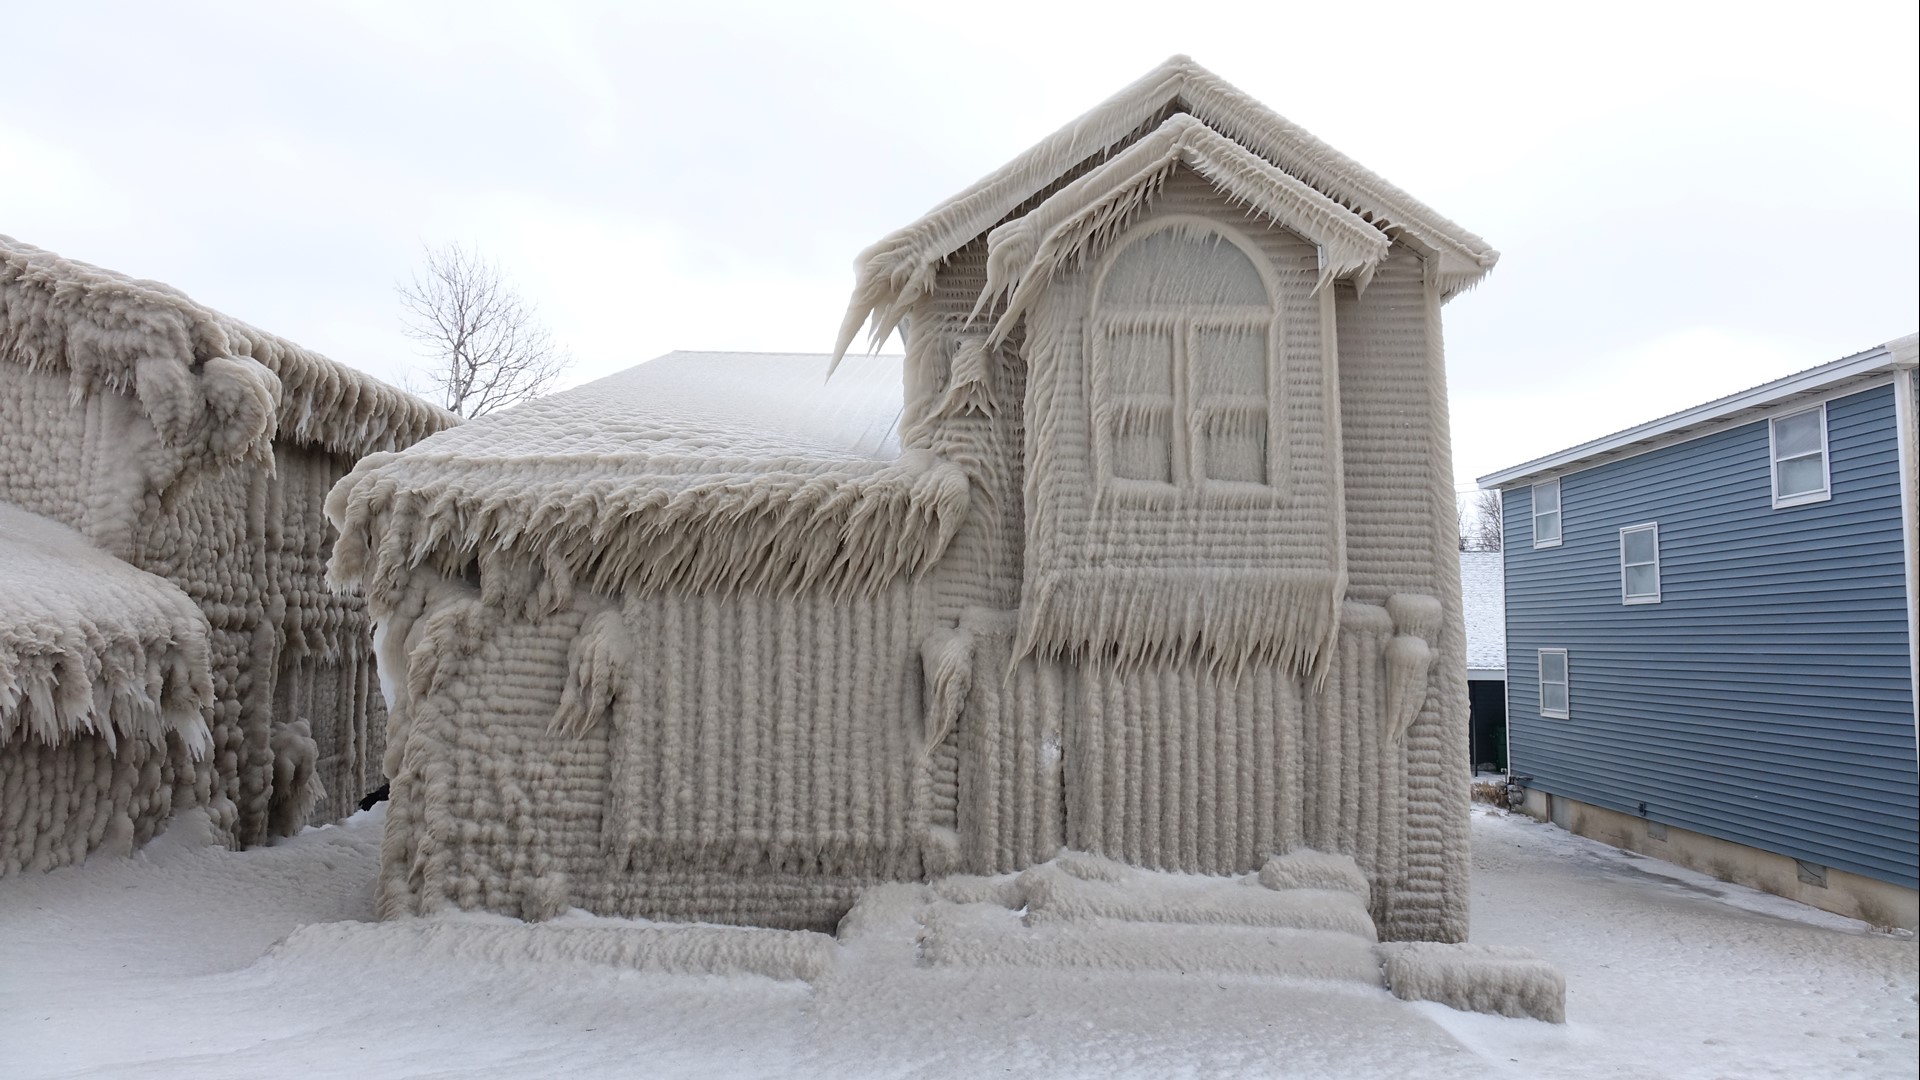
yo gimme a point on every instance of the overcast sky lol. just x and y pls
(1689, 199)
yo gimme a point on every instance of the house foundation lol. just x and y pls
(1879, 903)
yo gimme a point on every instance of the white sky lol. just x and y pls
(1690, 199)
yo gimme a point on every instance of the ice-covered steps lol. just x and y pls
(1050, 894)
(987, 935)
(1084, 911)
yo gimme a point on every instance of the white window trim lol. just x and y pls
(1540, 683)
(1825, 491)
(1560, 511)
(1642, 527)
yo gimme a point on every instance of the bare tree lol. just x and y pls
(489, 349)
(1480, 522)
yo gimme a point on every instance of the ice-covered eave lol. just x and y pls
(645, 524)
(108, 332)
(893, 273)
(90, 646)
(330, 406)
(1081, 218)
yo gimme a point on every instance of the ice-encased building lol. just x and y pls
(199, 450)
(105, 685)
(1146, 549)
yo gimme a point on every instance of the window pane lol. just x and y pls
(1180, 269)
(1140, 362)
(1803, 475)
(1638, 545)
(1229, 362)
(1643, 580)
(1546, 527)
(1553, 667)
(1794, 435)
(1546, 497)
(1143, 443)
(1233, 445)
(1553, 697)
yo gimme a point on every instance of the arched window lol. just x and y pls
(1185, 337)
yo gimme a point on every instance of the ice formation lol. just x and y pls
(105, 686)
(194, 447)
(1476, 978)
(675, 950)
(1147, 551)
(1304, 916)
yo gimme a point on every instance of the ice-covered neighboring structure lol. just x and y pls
(1146, 549)
(104, 685)
(199, 450)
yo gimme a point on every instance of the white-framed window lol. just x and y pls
(1798, 447)
(1546, 514)
(1553, 683)
(1640, 564)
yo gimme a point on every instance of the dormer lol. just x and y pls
(1266, 151)
(1160, 274)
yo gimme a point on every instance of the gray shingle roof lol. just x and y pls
(1483, 598)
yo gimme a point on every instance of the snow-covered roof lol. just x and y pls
(109, 331)
(893, 273)
(693, 471)
(1483, 600)
(702, 405)
(92, 645)
(1740, 408)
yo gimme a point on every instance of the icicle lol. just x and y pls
(1409, 657)
(597, 665)
(946, 657)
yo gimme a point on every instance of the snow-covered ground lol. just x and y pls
(191, 961)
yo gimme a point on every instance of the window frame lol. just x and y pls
(1565, 683)
(1625, 596)
(1188, 409)
(1559, 513)
(1821, 494)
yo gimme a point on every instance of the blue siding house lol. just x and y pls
(1711, 626)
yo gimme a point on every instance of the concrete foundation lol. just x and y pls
(1868, 899)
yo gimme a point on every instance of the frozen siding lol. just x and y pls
(1768, 697)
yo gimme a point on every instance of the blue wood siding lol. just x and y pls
(1768, 697)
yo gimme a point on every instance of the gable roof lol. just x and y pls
(1081, 217)
(107, 331)
(897, 270)
(694, 472)
(1740, 408)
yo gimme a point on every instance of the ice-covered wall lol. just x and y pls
(197, 448)
(324, 671)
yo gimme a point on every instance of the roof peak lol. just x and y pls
(895, 272)
(1739, 407)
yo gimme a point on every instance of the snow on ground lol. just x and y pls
(191, 961)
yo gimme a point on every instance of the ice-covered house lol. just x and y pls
(199, 450)
(1148, 550)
